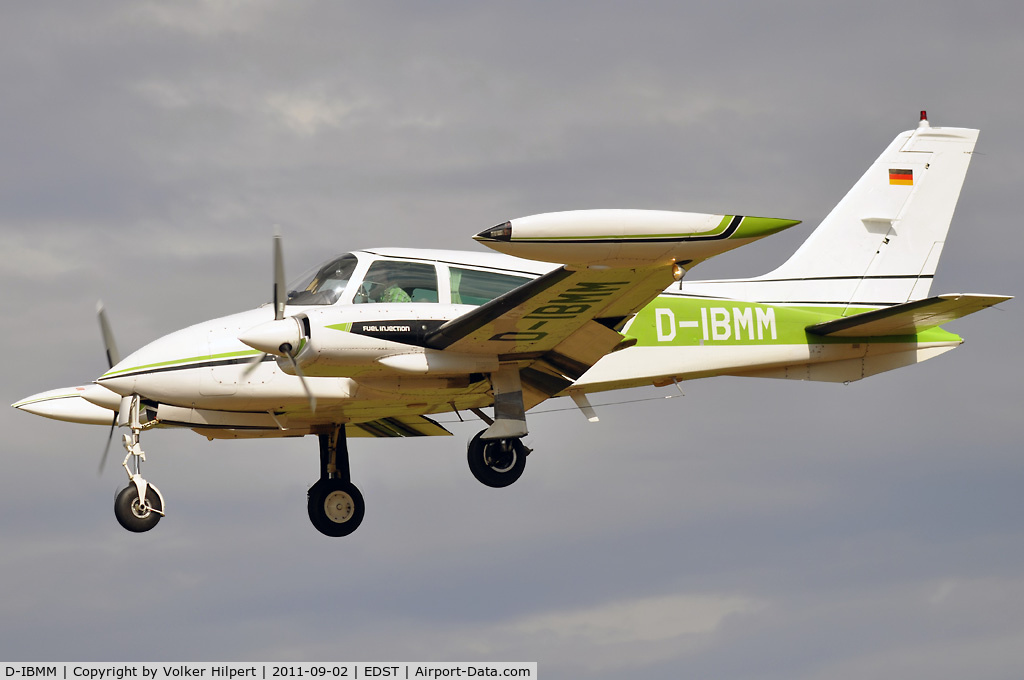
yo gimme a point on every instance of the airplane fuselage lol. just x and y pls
(374, 361)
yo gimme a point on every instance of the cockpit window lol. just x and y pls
(397, 281)
(326, 285)
(472, 287)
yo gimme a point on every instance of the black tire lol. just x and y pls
(497, 462)
(336, 508)
(130, 513)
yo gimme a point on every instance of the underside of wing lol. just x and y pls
(399, 426)
(396, 426)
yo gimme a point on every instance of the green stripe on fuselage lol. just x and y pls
(182, 362)
(682, 321)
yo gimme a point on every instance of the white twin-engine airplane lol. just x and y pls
(377, 340)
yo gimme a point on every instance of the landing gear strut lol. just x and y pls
(497, 455)
(139, 506)
(334, 503)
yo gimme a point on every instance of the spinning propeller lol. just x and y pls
(281, 337)
(113, 357)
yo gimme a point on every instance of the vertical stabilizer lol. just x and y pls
(881, 244)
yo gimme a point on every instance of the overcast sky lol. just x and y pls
(751, 529)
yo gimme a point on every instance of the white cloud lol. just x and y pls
(166, 94)
(611, 637)
(628, 633)
(38, 253)
(308, 114)
(650, 619)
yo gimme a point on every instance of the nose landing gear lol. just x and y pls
(140, 505)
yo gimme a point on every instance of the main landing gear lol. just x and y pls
(336, 506)
(497, 462)
(334, 503)
(497, 455)
(139, 506)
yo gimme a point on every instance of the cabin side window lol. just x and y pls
(397, 281)
(473, 287)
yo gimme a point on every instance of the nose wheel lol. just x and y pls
(135, 513)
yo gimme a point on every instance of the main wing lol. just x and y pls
(549, 332)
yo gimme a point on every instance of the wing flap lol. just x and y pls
(909, 318)
(556, 370)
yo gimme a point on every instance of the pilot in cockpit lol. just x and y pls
(381, 291)
(390, 281)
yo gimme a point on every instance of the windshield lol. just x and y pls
(325, 285)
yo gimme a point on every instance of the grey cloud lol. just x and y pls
(149, 150)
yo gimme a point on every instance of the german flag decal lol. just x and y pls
(905, 177)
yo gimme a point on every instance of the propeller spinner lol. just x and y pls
(283, 336)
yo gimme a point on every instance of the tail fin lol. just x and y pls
(881, 244)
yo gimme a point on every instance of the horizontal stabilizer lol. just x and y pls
(909, 318)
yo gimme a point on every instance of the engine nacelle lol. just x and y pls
(626, 238)
(361, 339)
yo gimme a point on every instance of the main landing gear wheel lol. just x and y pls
(334, 503)
(497, 462)
(134, 514)
(335, 507)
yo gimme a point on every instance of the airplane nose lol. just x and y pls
(280, 338)
(123, 385)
